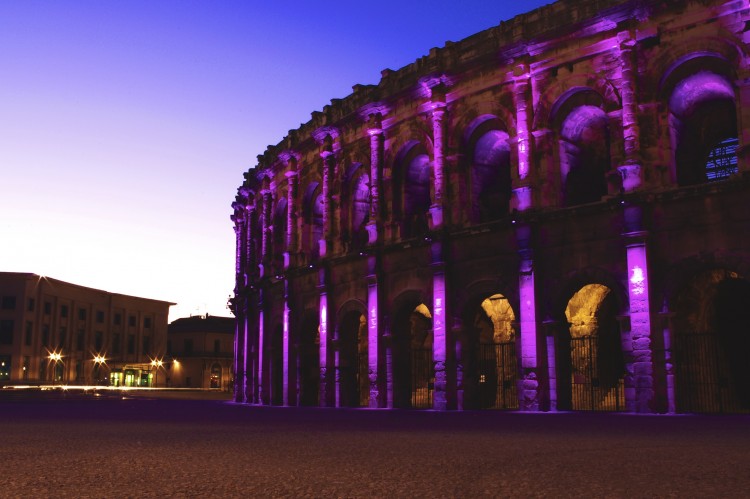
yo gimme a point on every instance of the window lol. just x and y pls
(63, 310)
(30, 305)
(117, 319)
(47, 308)
(131, 344)
(9, 303)
(116, 344)
(79, 340)
(4, 367)
(81, 314)
(722, 160)
(99, 317)
(6, 332)
(131, 321)
(62, 337)
(188, 346)
(147, 322)
(27, 334)
(98, 341)
(217, 346)
(45, 335)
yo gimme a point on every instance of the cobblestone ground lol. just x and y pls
(109, 446)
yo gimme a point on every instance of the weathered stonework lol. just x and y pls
(572, 146)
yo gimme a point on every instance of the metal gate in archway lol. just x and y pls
(498, 375)
(702, 379)
(591, 390)
(422, 378)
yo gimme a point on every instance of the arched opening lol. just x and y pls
(312, 214)
(309, 360)
(215, 381)
(591, 363)
(413, 369)
(358, 205)
(491, 366)
(279, 233)
(276, 358)
(353, 366)
(490, 179)
(710, 343)
(584, 155)
(412, 189)
(703, 122)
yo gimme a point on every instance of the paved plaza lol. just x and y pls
(121, 445)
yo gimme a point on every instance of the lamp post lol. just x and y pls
(98, 361)
(156, 364)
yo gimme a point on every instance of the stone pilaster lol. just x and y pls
(529, 376)
(522, 192)
(631, 170)
(373, 343)
(292, 216)
(266, 227)
(376, 167)
(441, 337)
(438, 165)
(328, 159)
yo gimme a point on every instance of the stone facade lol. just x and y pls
(200, 352)
(551, 214)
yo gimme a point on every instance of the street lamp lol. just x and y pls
(56, 357)
(156, 363)
(98, 361)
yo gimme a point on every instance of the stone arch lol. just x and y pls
(548, 110)
(702, 104)
(488, 353)
(412, 187)
(312, 215)
(487, 148)
(411, 350)
(351, 341)
(708, 300)
(308, 358)
(590, 358)
(356, 201)
(583, 132)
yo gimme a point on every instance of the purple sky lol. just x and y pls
(126, 126)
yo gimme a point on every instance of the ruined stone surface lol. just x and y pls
(562, 149)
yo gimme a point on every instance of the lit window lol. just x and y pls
(722, 160)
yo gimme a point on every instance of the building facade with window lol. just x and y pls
(552, 214)
(201, 352)
(53, 331)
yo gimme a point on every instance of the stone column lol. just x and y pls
(372, 332)
(266, 228)
(376, 167)
(291, 216)
(324, 327)
(328, 159)
(260, 390)
(438, 165)
(529, 390)
(285, 346)
(522, 192)
(440, 337)
(631, 170)
(251, 270)
(640, 394)
(239, 309)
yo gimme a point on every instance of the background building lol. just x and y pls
(57, 332)
(550, 214)
(201, 352)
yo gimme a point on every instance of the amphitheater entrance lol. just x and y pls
(277, 367)
(413, 368)
(591, 363)
(309, 360)
(711, 342)
(353, 366)
(491, 365)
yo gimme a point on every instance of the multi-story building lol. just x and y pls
(57, 332)
(201, 352)
(552, 214)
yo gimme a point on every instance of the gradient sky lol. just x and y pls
(126, 126)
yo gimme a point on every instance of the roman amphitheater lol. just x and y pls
(550, 215)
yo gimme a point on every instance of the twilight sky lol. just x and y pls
(125, 126)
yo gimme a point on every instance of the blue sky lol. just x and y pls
(126, 126)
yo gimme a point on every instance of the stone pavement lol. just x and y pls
(77, 445)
